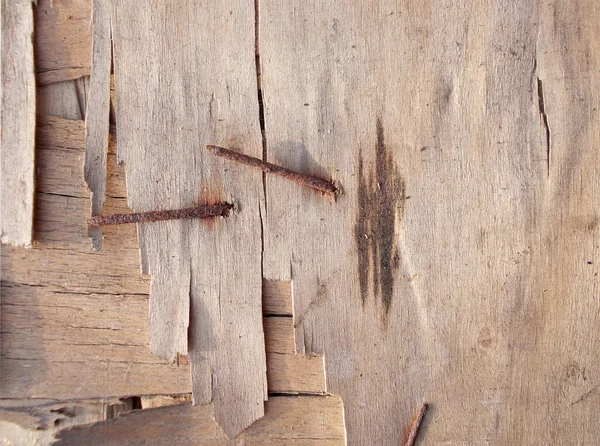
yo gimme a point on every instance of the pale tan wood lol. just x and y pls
(97, 114)
(460, 264)
(298, 421)
(66, 345)
(63, 40)
(68, 313)
(206, 277)
(17, 178)
(63, 345)
(556, 361)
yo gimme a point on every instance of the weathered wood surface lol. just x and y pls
(298, 421)
(74, 323)
(178, 88)
(460, 266)
(17, 177)
(63, 40)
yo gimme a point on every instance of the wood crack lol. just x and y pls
(544, 115)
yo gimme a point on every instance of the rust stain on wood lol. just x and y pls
(381, 198)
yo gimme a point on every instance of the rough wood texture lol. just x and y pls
(38, 425)
(74, 323)
(178, 88)
(293, 421)
(97, 114)
(460, 265)
(63, 40)
(17, 179)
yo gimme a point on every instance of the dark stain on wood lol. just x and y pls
(381, 204)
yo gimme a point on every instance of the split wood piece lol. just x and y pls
(205, 295)
(17, 177)
(415, 426)
(205, 211)
(63, 40)
(300, 178)
(97, 114)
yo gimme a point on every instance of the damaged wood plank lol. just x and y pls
(63, 40)
(206, 276)
(461, 263)
(97, 115)
(18, 124)
(302, 421)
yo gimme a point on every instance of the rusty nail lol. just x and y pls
(205, 211)
(416, 424)
(300, 178)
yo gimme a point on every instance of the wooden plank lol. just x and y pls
(459, 265)
(298, 421)
(97, 115)
(65, 345)
(18, 123)
(63, 40)
(554, 375)
(207, 276)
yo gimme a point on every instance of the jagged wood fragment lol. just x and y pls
(97, 114)
(63, 40)
(177, 88)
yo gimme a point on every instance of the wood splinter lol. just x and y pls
(324, 186)
(205, 211)
(415, 425)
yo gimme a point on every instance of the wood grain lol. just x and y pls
(460, 265)
(298, 421)
(18, 123)
(169, 107)
(63, 40)
(97, 114)
(74, 322)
